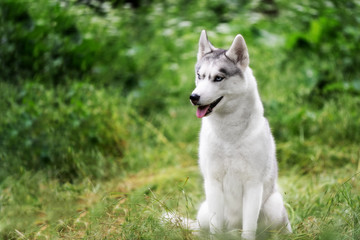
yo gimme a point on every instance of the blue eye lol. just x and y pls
(198, 75)
(218, 79)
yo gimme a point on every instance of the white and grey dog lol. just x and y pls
(237, 150)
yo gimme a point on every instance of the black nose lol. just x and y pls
(194, 98)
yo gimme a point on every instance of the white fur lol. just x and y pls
(237, 151)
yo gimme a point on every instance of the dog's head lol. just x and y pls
(220, 75)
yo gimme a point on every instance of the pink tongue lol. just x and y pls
(201, 111)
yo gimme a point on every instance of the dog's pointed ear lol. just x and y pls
(238, 52)
(204, 45)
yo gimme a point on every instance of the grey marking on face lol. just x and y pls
(221, 61)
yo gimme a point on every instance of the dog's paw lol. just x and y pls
(248, 235)
(172, 218)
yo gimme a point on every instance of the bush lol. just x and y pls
(70, 132)
(41, 40)
(328, 34)
(55, 42)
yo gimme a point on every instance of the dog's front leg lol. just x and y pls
(252, 199)
(215, 199)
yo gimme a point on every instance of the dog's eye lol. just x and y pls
(198, 76)
(218, 79)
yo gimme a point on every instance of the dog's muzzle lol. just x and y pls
(194, 98)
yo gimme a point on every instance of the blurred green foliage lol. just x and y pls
(71, 70)
(329, 33)
(55, 42)
(72, 133)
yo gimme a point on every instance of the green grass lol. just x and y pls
(100, 149)
(322, 206)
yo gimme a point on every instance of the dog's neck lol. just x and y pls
(246, 114)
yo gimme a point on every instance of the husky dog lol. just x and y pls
(237, 150)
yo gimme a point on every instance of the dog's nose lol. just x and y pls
(194, 98)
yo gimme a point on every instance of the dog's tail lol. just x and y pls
(183, 222)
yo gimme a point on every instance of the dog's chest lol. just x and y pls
(221, 160)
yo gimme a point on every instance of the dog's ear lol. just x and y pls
(204, 45)
(238, 52)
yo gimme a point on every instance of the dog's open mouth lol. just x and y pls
(205, 110)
